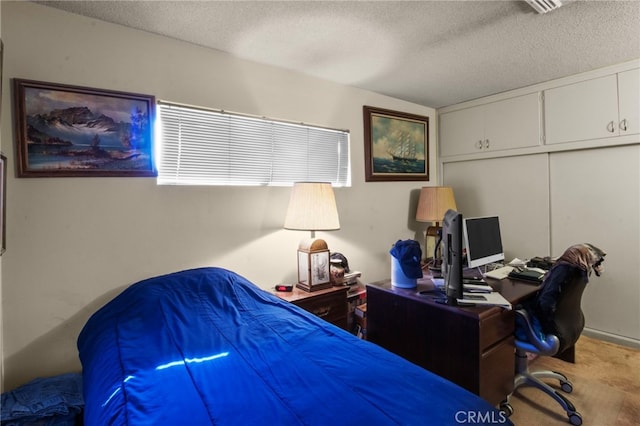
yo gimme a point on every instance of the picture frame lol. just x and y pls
(73, 131)
(3, 203)
(396, 145)
(1, 68)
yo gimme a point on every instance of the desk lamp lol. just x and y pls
(433, 203)
(312, 207)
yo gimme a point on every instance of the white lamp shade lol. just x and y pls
(434, 202)
(312, 207)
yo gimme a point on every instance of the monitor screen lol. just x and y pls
(482, 240)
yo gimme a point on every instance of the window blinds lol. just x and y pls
(204, 147)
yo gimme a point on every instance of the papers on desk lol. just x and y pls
(492, 299)
(477, 294)
(477, 288)
(518, 263)
(438, 282)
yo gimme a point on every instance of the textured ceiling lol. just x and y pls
(434, 53)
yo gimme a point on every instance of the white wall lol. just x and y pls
(73, 243)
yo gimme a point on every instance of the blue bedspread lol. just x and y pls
(206, 346)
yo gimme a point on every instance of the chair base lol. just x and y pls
(527, 378)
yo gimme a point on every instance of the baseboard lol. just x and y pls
(613, 338)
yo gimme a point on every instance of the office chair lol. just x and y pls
(553, 322)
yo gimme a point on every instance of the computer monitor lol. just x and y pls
(452, 255)
(482, 240)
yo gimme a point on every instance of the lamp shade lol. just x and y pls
(312, 207)
(434, 202)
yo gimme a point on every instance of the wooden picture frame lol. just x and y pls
(396, 145)
(73, 131)
(3, 203)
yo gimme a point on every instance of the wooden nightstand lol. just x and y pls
(329, 304)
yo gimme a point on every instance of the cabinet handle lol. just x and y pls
(611, 127)
(323, 312)
(486, 143)
(623, 125)
(479, 144)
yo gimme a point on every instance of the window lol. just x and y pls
(205, 147)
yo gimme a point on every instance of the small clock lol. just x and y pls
(313, 265)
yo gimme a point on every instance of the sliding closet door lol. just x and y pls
(514, 188)
(595, 197)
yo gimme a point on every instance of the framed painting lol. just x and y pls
(396, 145)
(3, 200)
(1, 65)
(69, 131)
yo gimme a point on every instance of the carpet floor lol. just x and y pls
(606, 387)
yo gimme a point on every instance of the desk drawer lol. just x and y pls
(497, 366)
(330, 307)
(496, 327)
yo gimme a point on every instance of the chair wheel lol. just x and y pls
(575, 419)
(506, 408)
(566, 386)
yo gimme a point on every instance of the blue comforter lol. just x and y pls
(206, 346)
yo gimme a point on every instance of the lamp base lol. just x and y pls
(434, 265)
(435, 268)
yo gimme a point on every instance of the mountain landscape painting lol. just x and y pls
(76, 131)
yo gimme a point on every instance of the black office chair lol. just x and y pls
(553, 322)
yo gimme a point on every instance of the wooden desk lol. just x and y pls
(471, 346)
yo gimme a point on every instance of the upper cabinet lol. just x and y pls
(500, 125)
(599, 108)
(629, 101)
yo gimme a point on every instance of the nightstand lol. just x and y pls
(329, 304)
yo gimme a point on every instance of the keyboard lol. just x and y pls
(499, 273)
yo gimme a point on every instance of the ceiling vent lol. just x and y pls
(544, 6)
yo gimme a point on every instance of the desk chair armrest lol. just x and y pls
(547, 345)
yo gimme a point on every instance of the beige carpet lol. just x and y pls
(606, 388)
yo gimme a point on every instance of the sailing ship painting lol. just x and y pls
(398, 146)
(402, 147)
(73, 131)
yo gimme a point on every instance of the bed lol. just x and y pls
(206, 346)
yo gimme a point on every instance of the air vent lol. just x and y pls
(544, 6)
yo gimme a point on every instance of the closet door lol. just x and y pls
(514, 188)
(595, 198)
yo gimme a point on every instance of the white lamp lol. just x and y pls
(312, 207)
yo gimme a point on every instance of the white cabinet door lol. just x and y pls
(595, 198)
(461, 132)
(514, 188)
(581, 111)
(507, 124)
(629, 99)
(513, 123)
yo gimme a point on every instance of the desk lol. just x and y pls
(471, 346)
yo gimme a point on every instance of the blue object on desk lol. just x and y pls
(405, 263)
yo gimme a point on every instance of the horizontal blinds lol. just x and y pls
(201, 147)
